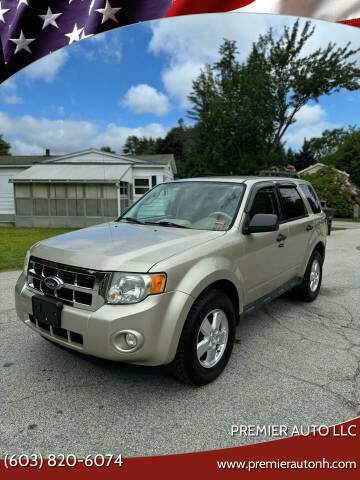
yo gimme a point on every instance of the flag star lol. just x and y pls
(108, 13)
(91, 6)
(20, 2)
(83, 36)
(2, 12)
(50, 18)
(74, 36)
(22, 43)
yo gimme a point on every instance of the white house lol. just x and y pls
(316, 167)
(78, 189)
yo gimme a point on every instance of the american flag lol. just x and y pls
(31, 29)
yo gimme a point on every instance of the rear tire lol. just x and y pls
(311, 284)
(207, 339)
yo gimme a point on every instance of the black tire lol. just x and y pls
(186, 366)
(304, 292)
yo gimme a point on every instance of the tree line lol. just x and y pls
(240, 111)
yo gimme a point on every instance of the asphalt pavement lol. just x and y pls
(294, 364)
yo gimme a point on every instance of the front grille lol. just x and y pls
(81, 288)
(67, 335)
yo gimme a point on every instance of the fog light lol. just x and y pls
(131, 340)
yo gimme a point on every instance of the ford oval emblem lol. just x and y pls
(54, 283)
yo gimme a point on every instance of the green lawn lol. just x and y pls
(15, 241)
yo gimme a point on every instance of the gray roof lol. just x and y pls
(35, 159)
(160, 159)
(24, 160)
(72, 173)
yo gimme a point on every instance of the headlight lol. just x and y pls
(128, 288)
(26, 263)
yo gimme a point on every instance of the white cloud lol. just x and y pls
(310, 114)
(178, 80)
(31, 136)
(106, 47)
(145, 99)
(12, 99)
(8, 93)
(310, 122)
(48, 67)
(60, 110)
(295, 136)
(115, 135)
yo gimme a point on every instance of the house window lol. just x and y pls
(23, 201)
(58, 200)
(153, 181)
(142, 185)
(93, 194)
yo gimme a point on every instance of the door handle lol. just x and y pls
(281, 237)
(309, 227)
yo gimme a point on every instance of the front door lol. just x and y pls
(265, 261)
(296, 217)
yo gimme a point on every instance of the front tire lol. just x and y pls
(207, 339)
(311, 284)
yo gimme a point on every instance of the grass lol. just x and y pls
(345, 220)
(337, 228)
(14, 242)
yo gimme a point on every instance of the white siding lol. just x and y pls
(7, 204)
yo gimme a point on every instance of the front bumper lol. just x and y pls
(159, 319)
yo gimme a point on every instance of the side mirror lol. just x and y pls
(262, 223)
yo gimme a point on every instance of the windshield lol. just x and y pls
(195, 205)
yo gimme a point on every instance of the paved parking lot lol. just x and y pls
(295, 364)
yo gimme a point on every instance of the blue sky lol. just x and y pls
(135, 80)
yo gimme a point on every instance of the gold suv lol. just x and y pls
(167, 282)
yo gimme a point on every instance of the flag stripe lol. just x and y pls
(31, 29)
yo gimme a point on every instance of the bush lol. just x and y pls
(335, 188)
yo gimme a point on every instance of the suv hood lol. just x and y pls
(120, 246)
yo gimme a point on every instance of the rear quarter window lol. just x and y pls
(291, 203)
(310, 194)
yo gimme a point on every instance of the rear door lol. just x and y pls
(300, 226)
(318, 216)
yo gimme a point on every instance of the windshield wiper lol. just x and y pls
(167, 224)
(132, 220)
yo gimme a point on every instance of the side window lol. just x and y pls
(264, 202)
(311, 198)
(292, 204)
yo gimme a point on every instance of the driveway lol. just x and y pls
(294, 364)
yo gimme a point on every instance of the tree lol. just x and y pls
(335, 188)
(178, 141)
(242, 111)
(327, 144)
(347, 155)
(107, 149)
(140, 146)
(297, 78)
(305, 157)
(4, 147)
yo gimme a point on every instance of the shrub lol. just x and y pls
(335, 188)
